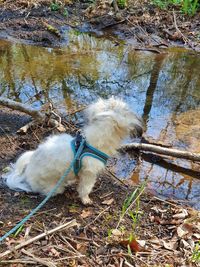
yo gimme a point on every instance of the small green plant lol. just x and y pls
(196, 253)
(188, 7)
(127, 207)
(55, 6)
(109, 232)
(19, 230)
(121, 3)
(65, 12)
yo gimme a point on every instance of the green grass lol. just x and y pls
(122, 3)
(55, 6)
(188, 7)
(196, 253)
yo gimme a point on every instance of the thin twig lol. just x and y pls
(17, 261)
(97, 217)
(69, 245)
(38, 237)
(165, 201)
(116, 178)
(185, 39)
(76, 111)
(71, 257)
(44, 262)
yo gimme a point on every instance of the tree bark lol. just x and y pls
(162, 150)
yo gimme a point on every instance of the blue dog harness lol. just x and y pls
(87, 150)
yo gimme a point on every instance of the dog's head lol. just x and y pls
(117, 112)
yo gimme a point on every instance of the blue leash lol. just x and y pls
(14, 229)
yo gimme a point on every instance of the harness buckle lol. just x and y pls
(79, 138)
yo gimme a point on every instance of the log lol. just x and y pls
(162, 150)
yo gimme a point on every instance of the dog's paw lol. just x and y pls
(86, 201)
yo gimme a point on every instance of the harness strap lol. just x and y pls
(87, 150)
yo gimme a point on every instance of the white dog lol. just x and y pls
(109, 122)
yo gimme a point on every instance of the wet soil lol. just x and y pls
(142, 23)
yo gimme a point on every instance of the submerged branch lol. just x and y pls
(162, 150)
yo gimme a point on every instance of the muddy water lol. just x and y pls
(163, 88)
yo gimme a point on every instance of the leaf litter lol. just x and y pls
(153, 232)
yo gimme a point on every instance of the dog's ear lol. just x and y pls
(137, 127)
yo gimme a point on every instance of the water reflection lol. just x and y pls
(162, 88)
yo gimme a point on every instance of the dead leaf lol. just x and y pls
(142, 243)
(181, 215)
(170, 222)
(116, 232)
(181, 231)
(157, 210)
(86, 213)
(61, 128)
(133, 244)
(197, 236)
(54, 252)
(191, 243)
(185, 244)
(172, 245)
(82, 248)
(108, 202)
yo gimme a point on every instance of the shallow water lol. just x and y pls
(163, 88)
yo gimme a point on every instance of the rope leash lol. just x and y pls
(23, 221)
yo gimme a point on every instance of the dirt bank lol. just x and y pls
(42, 22)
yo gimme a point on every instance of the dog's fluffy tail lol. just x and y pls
(15, 178)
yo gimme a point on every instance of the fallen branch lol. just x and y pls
(37, 115)
(21, 107)
(38, 237)
(162, 150)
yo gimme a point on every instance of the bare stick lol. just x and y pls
(21, 107)
(38, 260)
(76, 111)
(71, 257)
(115, 177)
(38, 237)
(115, 5)
(17, 261)
(97, 217)
(178, 30)
(162, 150)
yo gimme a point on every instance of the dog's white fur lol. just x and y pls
(109, 122)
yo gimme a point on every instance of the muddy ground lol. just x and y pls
(155, 233)
(142, 23)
